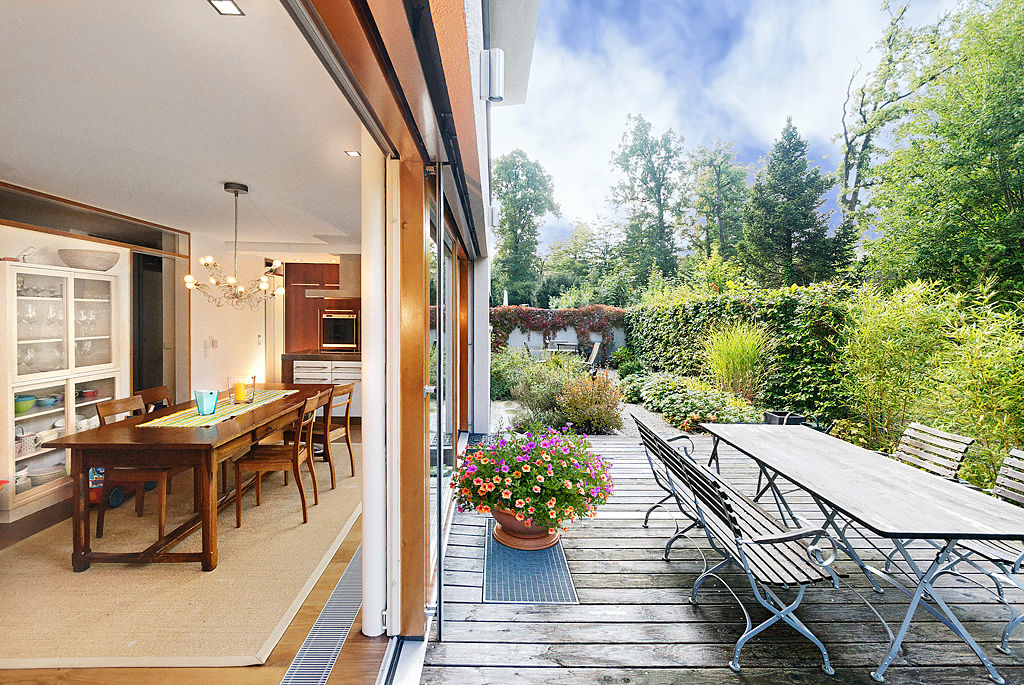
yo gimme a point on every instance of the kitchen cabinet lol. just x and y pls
(333, 372)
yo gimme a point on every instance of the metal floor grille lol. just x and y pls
(315, 658)
(512, 576)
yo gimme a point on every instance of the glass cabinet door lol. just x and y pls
(41, 326)
(93, 325)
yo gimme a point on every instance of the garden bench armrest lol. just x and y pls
(789, 536)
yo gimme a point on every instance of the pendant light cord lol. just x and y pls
(235, 268)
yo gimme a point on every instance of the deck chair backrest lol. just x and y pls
(933, 450)
(594, 352)
(1010, 481)
(709, 496)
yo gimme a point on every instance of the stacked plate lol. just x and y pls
(44, 474)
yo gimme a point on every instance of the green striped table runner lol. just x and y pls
(226, 409)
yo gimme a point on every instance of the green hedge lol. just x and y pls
(667, 333)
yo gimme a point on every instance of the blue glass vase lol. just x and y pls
(206, 401)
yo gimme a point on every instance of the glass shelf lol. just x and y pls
(44, 412)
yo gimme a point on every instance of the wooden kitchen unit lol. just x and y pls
(301, 313)
(334, 368)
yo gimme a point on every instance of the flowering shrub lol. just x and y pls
(686, 402)
(543, 479)
(592, 404)
(595, 318)
(507, 367)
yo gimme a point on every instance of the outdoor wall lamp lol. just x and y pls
(492, 75)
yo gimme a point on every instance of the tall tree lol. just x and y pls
(653, 182)
(720, 189)
(907, 63)
(526, 194)
(785, 236)
(951, 196)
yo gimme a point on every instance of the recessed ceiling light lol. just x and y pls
(352, 153)
(227, 7)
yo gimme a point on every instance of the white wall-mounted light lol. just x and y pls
(495, 215)
(492, 74)
(227, 8)
(352, 153)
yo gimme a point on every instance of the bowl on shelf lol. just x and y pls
(94, 260)
(41, 475)
(47, 435)
(46, 401)
(22, 403)
(90, 394)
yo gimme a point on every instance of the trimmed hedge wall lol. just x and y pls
(805, 323)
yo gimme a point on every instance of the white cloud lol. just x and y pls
(789, 58)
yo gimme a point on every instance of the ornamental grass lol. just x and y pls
(544, 479)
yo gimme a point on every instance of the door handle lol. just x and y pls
(429, 390)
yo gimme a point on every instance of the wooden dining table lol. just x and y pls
(125, 443)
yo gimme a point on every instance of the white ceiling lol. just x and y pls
(147, 108)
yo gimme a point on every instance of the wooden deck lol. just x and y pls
(634, 624)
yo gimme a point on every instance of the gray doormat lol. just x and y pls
(513, 576)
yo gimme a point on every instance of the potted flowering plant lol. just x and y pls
(533, 484)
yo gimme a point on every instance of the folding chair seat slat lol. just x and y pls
(931, 451)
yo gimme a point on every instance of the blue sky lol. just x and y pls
(733, 69)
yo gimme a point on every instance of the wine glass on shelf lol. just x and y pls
(29, 316)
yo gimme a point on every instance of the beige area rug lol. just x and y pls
(174, 614)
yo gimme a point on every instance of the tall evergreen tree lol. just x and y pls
(526, 194)
(654, 179)
(785, 236)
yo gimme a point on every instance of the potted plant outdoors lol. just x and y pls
(533, 484)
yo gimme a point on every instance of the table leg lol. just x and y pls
(80, 511)
(848, 548)
(938, 566)
(209, 512)
(714, 455)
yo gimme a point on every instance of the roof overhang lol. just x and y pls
(513, 28)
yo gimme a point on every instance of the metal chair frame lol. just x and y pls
(654, 445)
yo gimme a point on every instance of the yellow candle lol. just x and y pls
(240, 391)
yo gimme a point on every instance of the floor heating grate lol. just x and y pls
(313, 663)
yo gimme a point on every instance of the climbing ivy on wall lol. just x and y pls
(595, 318)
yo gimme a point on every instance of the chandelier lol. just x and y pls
(223, 290)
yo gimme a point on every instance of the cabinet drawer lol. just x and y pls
(312, 378)
(347, 366)
(304, 366)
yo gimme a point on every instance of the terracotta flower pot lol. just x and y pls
(516, 534)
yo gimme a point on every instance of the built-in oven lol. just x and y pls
(339, 330)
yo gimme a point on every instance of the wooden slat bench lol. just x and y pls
(773, 557)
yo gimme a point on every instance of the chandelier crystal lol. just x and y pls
(223, 290)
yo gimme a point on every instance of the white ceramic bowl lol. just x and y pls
(96, 260)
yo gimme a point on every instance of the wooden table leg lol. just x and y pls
(80, 512)
(209, 512)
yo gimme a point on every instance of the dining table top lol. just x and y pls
(890, 498)
(128, 434)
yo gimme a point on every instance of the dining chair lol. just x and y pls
(155, 398)
(110, 412)
(333, 427)
(286, 457)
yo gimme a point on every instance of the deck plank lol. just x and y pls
(634, 623)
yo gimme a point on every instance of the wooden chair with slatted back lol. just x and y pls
(108, 413)
(1010, 481)
(155, 398)
(334, 426)
(286, 457)
(935, 451)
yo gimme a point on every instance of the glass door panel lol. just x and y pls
(93, 323)
(39, 416)
(41, 326)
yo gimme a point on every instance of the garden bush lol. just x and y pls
(557, 391)
(592, 404)
(507, 366)
(631, 387)
(626, 362)
(686, 401)
(735, 354)
(666, 331)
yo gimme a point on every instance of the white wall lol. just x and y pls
(226, 342)
(535, 339)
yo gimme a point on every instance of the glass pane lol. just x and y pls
(92, 322)
(434, 442)
(41, 328)
(87, 395)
